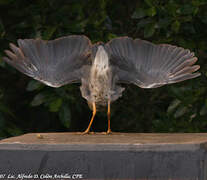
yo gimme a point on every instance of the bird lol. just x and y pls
(102, 68)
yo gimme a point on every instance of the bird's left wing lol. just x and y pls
(55, 63)
(148, 65)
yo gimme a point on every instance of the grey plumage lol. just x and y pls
(55, 63)
(148, 65)
(101, 67)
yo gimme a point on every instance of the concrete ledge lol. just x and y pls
(97, 156)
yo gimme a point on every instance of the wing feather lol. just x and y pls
(55, 63)
(148, 65)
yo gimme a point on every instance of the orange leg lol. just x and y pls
(108, 115)
(89, 126)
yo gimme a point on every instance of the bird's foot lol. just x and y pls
(109, 131)
(87, 132)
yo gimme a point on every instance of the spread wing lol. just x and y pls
(148, 65)
(55, 63)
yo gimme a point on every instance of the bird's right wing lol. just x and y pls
(148, 65)
(55, 63)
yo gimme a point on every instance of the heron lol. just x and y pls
(101, 68)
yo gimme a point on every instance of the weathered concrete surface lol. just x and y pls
(98, 156)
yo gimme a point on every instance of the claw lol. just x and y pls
(87, 132)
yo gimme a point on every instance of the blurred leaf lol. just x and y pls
(55, 105)
(14, 131)
(176, 92)
(189, 9)
(6, 110)
(186, 19)
(149, 30)
(48, 33)
(144, 22)
(203, 110)
(78, 27)
(189, 28)
(65, 115)
(175, 26)
(33, 85)
(38, 99)
(5, 2)
(2, 29)
(108, 23)
(180, 111)
(199, 2)
(111, 36)
(2, 63)
(151, 11)
(164, 22)
(173, 105)
(149, 2)
(172, 9)
(138, 14)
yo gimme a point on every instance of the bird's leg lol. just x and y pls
(89, 126)
(108, 115)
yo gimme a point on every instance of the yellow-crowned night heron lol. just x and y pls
(102, 67)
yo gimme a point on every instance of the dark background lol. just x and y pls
(29, 106)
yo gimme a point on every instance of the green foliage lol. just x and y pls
(29, 106)
(65, 115)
